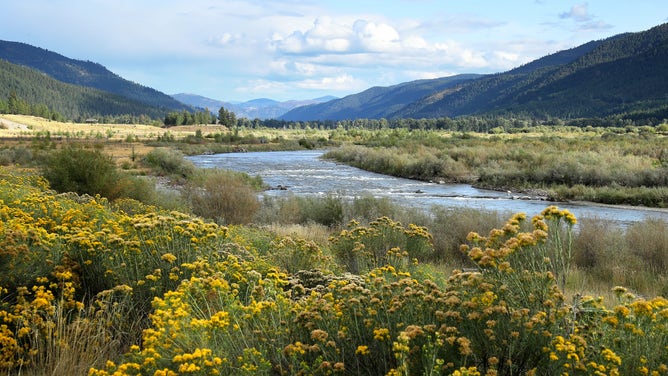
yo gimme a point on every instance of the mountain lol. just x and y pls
(39, 94)
(84, 73)
(623, 74)
(200, 102)
(376, 102)
(261, 108)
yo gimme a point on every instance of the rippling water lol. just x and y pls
(304, 173)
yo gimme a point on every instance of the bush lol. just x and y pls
(383, 242)
(84, 171)
(169, 162)
(451, 227)
(223, 196)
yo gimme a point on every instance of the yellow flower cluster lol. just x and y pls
(382, 242)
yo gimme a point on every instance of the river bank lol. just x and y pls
(624, 170)
(306, 173)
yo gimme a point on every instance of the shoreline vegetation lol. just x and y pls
(109, 272)
(607, 168)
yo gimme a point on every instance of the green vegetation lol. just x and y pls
(628, 168)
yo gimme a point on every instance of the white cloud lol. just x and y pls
(578, 12)
(343, 82)
(324, 36)
(327, 35)
(376, 37)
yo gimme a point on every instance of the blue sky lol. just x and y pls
(300, 49)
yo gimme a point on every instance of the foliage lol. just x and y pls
(104, 92)
(84, 171)
(364, 248)
(186, 118)
(169, 162)
(67, 255)
(224, 196)
(226, 117)
(38, 94)
(503, 319)
(628, 169)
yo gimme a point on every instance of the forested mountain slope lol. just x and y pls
(23, 87)
(377, 102)
(84, 73)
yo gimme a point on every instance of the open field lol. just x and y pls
(21, 126)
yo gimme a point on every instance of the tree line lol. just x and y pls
(496, 123)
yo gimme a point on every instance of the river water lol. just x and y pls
(305, 173)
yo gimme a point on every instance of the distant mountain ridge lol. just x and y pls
(84, 73)
(623, 74)
(260, 108)
(377, 102)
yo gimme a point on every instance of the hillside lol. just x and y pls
(84, 73)
(35, 88)
(621, 75)
(261, 108)
(376, 102)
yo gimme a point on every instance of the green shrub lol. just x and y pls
(326, 210)
(451, 226)
(84, 171)
(169, 162)
(223, 196)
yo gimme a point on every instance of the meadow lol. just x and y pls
(199, 276)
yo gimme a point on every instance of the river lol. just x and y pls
(305, 173)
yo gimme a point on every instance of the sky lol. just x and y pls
(302, 49)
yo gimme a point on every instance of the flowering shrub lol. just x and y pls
(362, 248)
(62, 253)
(133, 290)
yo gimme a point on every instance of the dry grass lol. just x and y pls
(312, 231)
(28, 126)
(125, 143)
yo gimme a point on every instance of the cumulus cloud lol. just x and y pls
(376, 37)
(324, 36)
(329, 36)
